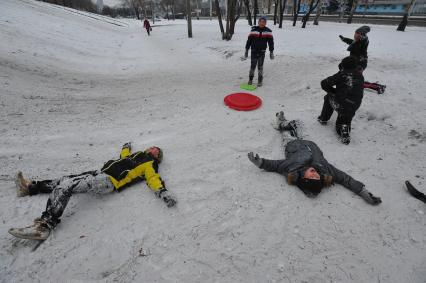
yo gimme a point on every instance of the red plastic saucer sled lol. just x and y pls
(242, 101)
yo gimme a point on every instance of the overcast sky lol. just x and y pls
(110, 2)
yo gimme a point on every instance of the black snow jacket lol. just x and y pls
(258, 39)
(346, 88)
(302, 154)
(357, 48)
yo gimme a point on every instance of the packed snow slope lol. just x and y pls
(73, 89)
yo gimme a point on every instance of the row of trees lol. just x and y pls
(252, 10)
(83, 5)
(147, 8)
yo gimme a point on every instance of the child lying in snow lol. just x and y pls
(114, 175)
(306, 167)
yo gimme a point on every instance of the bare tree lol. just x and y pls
(255, 10)
(282, 8)
(83, 5)
(312, 7)
(342, 4)
(296, 9)
(247, 5)
(173, 9)
(404, 21)
(232, 15)
(152, 12)
(276, 12)
(239, 4)
(351, 13)
(219, 17)
(135, 5)
(319, 11)
(188, 17)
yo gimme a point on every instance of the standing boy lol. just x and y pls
(259, 37)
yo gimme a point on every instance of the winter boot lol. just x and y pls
(260, 81)
(292, 128)
(279, 120)
(166, 197)
(40, 230)
(22, 185)
(250, 82)
(321, 121)
(344, 134)
(381, 89)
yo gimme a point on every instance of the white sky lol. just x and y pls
(110, 2)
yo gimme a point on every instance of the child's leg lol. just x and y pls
(253, 64)
(61, 194)
(327, 109)
(261, 60)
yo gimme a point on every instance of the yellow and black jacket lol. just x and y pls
(134, 167)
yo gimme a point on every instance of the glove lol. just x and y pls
(166, 197)
(271, 55)
(255, 159)
(127, 145)
(369, 197)
(246, 54)
(341, 37)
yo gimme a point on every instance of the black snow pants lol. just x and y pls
(344, 113)
(61, 190)
(257, 58)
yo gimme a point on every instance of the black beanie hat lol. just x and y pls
(363, 30)
(349, 63)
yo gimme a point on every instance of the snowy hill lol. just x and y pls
(74, 88)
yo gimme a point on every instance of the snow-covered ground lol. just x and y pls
(73, 89)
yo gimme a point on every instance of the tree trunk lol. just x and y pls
(342, 2)
(269, 6)
(319, 11)
(305, 18)
(255, 10)
(230, 19)
(173, 9)
(351, 14)
(136, 9)
(228, 4)
(404, 21)
(188, 17)
(296, 9)
(152, 13)
(235, 19)
(219, 17)
(282, 8)
(276, 12)
(247, 5)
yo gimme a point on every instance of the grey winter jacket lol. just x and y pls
(304, 154)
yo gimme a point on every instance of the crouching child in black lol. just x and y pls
(306, 167)
(260, 36)
(344, 95)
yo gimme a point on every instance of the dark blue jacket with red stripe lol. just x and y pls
(258, 38)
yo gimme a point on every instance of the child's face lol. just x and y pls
(154, 151)
(312, 174)
(357, 36)
(262, 23)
